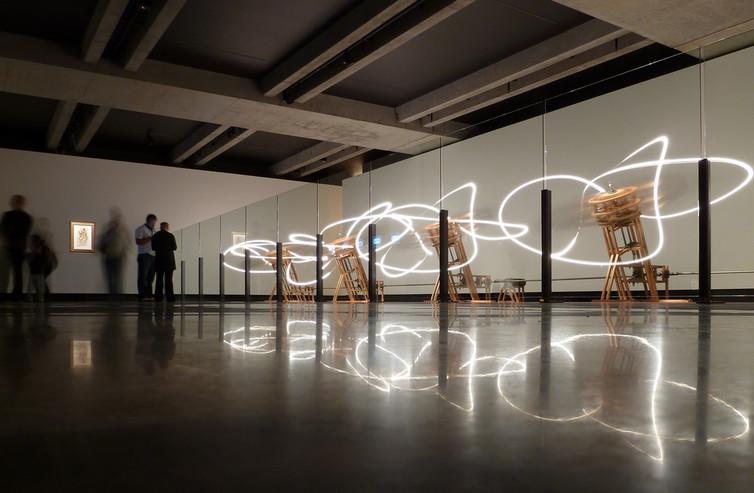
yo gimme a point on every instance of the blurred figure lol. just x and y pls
(145, 257)
(14, 229)
(163, 243)
(114, 246)
(42, 261)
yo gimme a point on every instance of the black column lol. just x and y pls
(279, 272)
(444, 296)
(705, 234)
(222, 278)
(183, 281)
(201, 279)
(320, 293)
(247, 275)
(546, 208)
(372, 264)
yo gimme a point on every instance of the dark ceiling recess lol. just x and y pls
(251, 38)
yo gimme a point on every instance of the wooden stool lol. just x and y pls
(513, 288)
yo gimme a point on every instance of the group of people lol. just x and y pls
(156, 258)
(15, 228)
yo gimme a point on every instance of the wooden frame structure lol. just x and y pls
(458, 278)
(292, 292)
(618, 214)
(352, 275)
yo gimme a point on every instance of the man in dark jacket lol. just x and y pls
(14, 230)
(163, 244)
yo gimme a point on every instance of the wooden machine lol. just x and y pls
(292, 292)
(458, 278)
(618, 214)
(352, 276)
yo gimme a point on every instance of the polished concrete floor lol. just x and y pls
(401, 397)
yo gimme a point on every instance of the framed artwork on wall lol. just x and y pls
(82, 236)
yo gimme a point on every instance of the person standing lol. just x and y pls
(113, 244)
(163, 244)
(145, 257)
(42, 261)
(14, 229)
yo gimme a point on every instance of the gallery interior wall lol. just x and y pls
(61, 188)
(587, 139)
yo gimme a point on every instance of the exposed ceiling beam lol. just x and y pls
(60, 119)
(198, 139)
(106, 16)
(347, 30)
(339, 157)
(582, 61)
(553, 50)
(42, 68)
(140, 45)
(228, 139)
(90, 123)
(413, 22)
(680, 24)
(307, 156)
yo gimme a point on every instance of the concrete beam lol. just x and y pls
(42, 68)
(60, 119)
(553, 50)
(106, 16)
(198, 139)
(313, 154)
(92, 120)
(406, 27)
(228, 139)
(347, 30)
(140, 45)
(582, 61)
(680, 24)
(339, 157)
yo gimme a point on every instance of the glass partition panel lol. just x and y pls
(233, 232)
(481, 174)
(190, 254)
(298, 228)
(404, 196)
(210, 250)
(631, 137)
(729, 122)
(261, 235)
(329, 213)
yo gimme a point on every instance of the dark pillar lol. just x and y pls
(319, 296)
(279, 272)
(183, 281)
(318, 337)
(705, 234)
(546, 209)
(704, 336)
(372, 265)
(444, 296)
(247, 275)
(221, 277)
(201, 279)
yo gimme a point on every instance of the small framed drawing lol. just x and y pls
(238, 238)
(82, 236)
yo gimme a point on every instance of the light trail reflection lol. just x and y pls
(405, 359)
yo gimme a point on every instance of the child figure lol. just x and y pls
(41, 263)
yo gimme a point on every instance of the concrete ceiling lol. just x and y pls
(313, 89)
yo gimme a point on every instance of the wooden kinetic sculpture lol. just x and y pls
(458, 278)
(352, 276)
(618, 214)
(292, 290)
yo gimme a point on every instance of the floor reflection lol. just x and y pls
(611, 379)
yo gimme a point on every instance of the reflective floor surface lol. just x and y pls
(402, 397)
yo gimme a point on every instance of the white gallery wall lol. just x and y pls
(62, 188)
(588, 139)
(302, 210)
